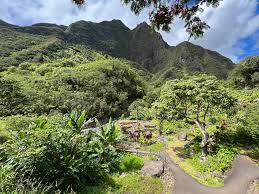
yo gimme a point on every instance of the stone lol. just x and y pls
(182, 136)
(152, 168)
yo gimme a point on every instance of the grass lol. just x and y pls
(131, 162)
(130, 183)
(176, 152)
(136, 184)
(158, 146)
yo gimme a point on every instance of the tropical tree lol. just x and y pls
(164, 12)
(194, 99)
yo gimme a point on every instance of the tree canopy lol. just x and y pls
(246, 73)
(163, 13)
(195, 98)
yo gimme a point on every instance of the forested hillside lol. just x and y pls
(142, 45)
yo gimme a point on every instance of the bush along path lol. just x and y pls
(243, 172)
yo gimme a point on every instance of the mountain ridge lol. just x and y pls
(141, 45)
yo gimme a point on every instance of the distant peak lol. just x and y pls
(185, 43)
(115, 22)
(47, 25)
(142, 25)
(3, 23)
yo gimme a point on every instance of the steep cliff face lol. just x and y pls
(146, 46)
(110, 37)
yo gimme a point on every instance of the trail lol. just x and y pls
(242, 173)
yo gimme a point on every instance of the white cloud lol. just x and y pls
(230, 22)
(26, 12)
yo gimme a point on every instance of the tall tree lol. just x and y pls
(163, 12)
(195, 99)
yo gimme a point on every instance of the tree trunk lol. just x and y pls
(205, 138)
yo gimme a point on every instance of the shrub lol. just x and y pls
(155, 146)
(139, 110)
(56, 155)
(11, 97)
(218, 162)
(248, 125)
(130, 162)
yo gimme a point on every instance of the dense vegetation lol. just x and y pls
(246, 74)
(54, 86)
(104, 87)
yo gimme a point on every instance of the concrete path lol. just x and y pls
(243, 172)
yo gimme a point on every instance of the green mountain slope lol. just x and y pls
(108, 37)
(189, 58)
(142, 45)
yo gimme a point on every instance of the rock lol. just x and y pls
(152, 168)
(182, 136)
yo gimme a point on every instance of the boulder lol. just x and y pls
(182, 136)
(152, 168)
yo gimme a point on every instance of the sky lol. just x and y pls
(234, 30)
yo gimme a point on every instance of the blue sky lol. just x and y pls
(234, 24)
(251, 42)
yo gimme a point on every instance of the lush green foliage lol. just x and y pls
(195, 99)
(191, 98)
(246, 74)
(53, 154)
(132, 183)
(78, 122)
(130, 162)
(158, 146)
(135, 184)
(11, 98)
(103, 88)
(248, 125)
(217, 163)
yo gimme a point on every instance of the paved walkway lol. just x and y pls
(243, 172)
